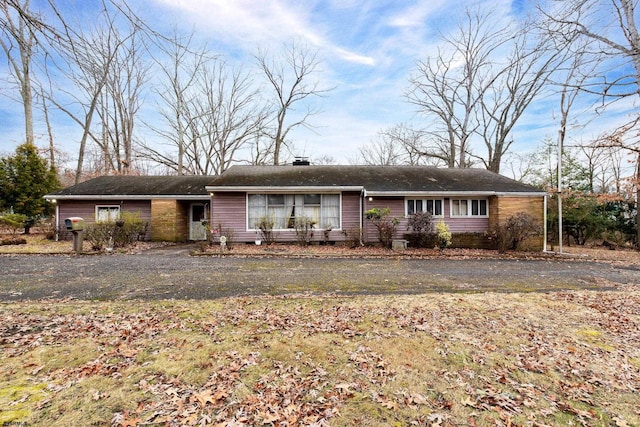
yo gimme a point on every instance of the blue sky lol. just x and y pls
(368, 49)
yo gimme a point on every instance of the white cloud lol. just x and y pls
(250, 23)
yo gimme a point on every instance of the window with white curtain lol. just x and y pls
(283, 209)
(107, 213)
(471, 207)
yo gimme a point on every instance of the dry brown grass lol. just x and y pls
(565, 358)
(37, 243)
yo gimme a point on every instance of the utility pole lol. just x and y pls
(560, 138)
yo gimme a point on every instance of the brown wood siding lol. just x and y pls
(86, 209)
(229, 211)
(396, 205)
(502, 208)
(350, 214)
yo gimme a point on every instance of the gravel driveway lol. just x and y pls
(162, 274)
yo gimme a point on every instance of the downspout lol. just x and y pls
(363, 194)
(544, 225)
(57, 222)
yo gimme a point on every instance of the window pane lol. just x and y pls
(429, 206)
(483, 207)
(330, 211)
(197, 213)
(107, 213)
(438, 207)
(419, 206)
(474, 207)
(411, 207)
(312, 199)
(276, 199)
(460, 207)
(257, 208)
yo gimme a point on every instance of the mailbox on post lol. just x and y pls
(75, 225)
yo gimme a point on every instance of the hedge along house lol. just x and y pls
(335, 198)
(174, 206)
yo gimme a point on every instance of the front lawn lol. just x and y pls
(561, 358)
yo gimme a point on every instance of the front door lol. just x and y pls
(197, 225)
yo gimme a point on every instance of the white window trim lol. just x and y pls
(424, 199)
(246, 201)
(98, 207)
(469, 210)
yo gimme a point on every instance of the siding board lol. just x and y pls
(86, 209)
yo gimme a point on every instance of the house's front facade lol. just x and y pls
(334, 199)
(174, 206)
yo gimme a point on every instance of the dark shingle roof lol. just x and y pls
(383, 179)
(373, 179)
(143, 186)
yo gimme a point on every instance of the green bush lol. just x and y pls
(386, 226)
(13, 222)
(443, 235)
(125, 231)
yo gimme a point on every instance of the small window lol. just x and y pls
(433, 206)
(312, 199)
(276, 199)
(473, 207)
(107, 213)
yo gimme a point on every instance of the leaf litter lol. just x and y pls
(569, 358)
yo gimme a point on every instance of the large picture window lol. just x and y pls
(107, 213)
(469, 207)
(283, 209)
(433, 206)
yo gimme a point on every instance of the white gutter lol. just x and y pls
(127, 197)
(57, 236)
(451, 193)
(283, 189)
(544, 226)
(361, 219)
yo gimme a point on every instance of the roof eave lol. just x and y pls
(126, 197)
(381, 193)
(278, 189)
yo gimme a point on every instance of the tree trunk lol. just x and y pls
(638, 202)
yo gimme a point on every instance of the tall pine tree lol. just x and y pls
(25, 178)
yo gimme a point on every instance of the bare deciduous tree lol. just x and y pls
(179, 69)
(228, 115)
(524, 76)
(291, 75)
(480, 84)
(448, 88)
(87, 60)
(219, 115)
(401, 145)
(18, 43)
(610, 30)
(121, 101)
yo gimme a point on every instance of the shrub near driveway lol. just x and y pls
(561, 358)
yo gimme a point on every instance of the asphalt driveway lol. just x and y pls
(175, 274)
